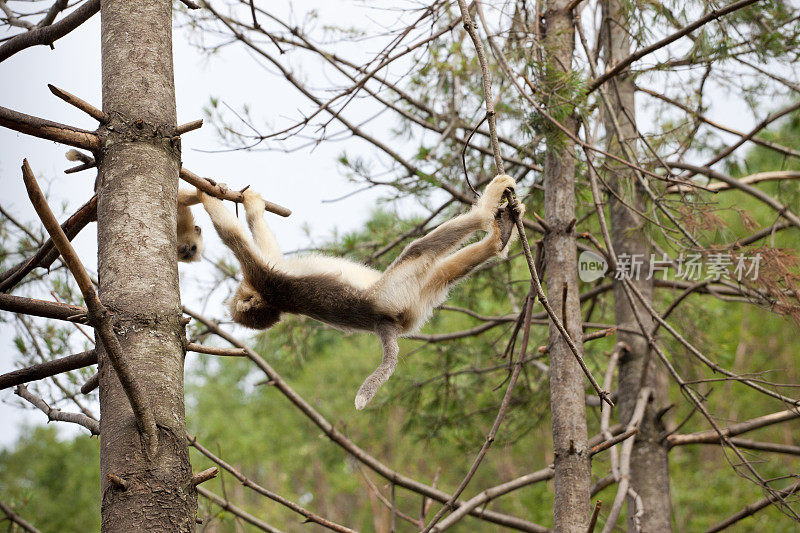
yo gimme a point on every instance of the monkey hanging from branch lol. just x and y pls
(345, 294)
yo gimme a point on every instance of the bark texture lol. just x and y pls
(567, 404)
(139, 164)
(649, 466)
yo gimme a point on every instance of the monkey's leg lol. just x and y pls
(456, 266)
(387, 333)
(450, 235)
(262, 235)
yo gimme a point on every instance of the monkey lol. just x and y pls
(190, 236)
(350, 296)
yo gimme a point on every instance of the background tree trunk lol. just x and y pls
(649, 466)
(567, 402)
(138, 270)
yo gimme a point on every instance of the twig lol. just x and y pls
(84, 106)
(205, 475)
(710, 436)
(190, 4)
(57, 414)
(753, 508)
(247, 517)
(210, 187)
(214, 350)
(99, 315)
(47, 35)
(625, 462)
(189, 126)
(50, 368)
(47, 253)
(46, 129)
(17, 519)
(595, 514)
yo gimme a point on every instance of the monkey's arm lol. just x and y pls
(387, 333)
(265, 240)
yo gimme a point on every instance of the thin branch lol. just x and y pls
(47, 35)
(211, 187)
(47, 253)
(58, 415)
(734, 429)
(189, 126)
(205, 475)
(526, 331)
(84, 106)
(244, 515)
(712, 15)
(42, 308)
(753, 508)
(17, 519)
(775, 175)
(99, 315)
(214, 350)
(50, 368)
(46, 129)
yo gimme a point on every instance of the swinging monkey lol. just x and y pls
(353, 297)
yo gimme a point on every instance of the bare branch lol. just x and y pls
(205, 475)
(57, 414)
(47, 35)
(46, 129)
(42, 308)
(753, 508)
(733, 430)
(50, 368)
(84, 106)
(209, 186)
(17, 519)
(244, 515)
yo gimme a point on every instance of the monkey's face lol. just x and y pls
(190, 247)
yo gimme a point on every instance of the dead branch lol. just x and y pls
(596, 445)
(211, 187)
(734, 429)
(54, 414)
(17, 519)
(98, 314)
(625, 462)
(46, 129)
(50, 368)
(91, 384)
(214, 350)
(49, 34)
(773, 447)
(42, 308)
(753, 508)
(47, 253)
(526, 331)
(205, 475)
(84, 106)
(247, 517)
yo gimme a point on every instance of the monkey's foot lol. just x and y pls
(494, 191)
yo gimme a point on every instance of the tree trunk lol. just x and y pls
(567, 403)
(649, 467)
(137, 267)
